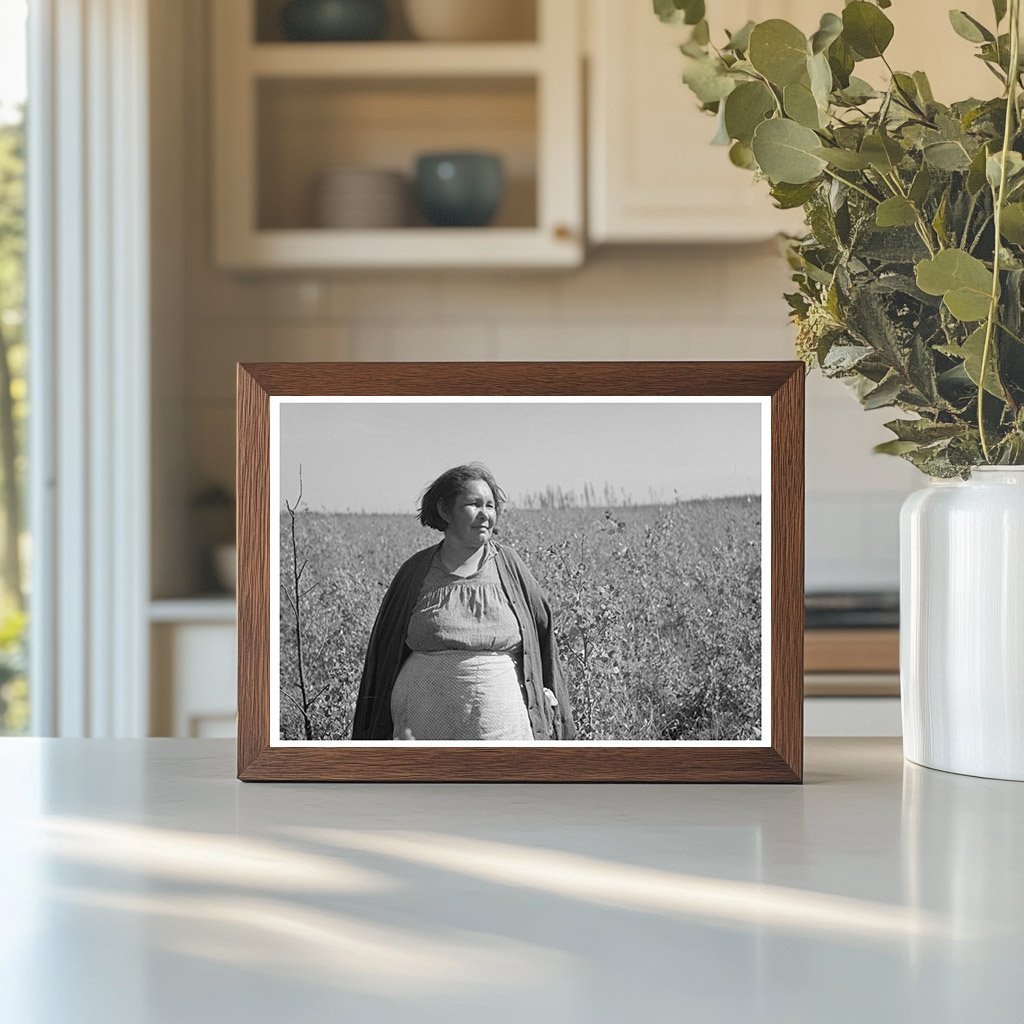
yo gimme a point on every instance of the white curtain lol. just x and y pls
(88, 320)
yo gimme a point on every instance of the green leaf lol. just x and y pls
(963, 281)
(701, 33)
(857, 91)
(976, 174)
(997, 53)
(885, 394)
(866, 29)
(968, 28)
(1011, 226)
(994, 167)
(971, 352)
(895, 447)
(820, 76)
(883, 153)
(785, 152)
(924, 88)
(739, 41)
(694, 11)
(668, 11)
(999, 7)
(906, 89)
(800, 105)
(923, 431)
(745, 108)
(830, 28)
(841, 60)
(844, 159)
(707, 80)
(946, 156)
(741, 155)
(789, 197)
(896, 212)
(675, 12)
(921, 186)
(778, 50)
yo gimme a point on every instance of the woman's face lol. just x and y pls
(472, 517)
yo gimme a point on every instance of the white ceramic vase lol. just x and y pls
(962, 624)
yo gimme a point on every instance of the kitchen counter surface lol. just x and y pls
(144, 885)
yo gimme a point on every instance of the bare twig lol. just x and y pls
(296, 574)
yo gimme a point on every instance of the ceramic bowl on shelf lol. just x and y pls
(470, 20)
(361, 197)
(460, 189)
(334, 20)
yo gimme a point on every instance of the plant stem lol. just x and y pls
(850, 184)
(993, 308)
(970, 215)
(768, 85)
(922, 225)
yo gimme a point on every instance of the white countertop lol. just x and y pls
(144, 885)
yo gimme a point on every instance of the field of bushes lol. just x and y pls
(658, 612)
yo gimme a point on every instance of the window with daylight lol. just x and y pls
(14, 547)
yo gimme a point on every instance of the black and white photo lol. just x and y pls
(520, 571)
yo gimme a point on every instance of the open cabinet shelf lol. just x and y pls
(394, 60)
(286, 114)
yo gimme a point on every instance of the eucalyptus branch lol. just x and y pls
(890, 279)
(993, 308)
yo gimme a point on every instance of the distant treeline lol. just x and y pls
(609, 496)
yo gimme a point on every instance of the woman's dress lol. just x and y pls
(463, 678)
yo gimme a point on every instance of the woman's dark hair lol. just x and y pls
(449, 485)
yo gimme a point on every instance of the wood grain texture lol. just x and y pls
(252, 487)
(852, 650)
(782, 761)
(787, 597)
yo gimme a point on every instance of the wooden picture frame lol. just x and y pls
(777, 756)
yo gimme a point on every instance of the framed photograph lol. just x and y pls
(514, 572)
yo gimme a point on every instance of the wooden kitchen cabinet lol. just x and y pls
(285, 113)
(851, 682)
(653, 175)
(193, 668)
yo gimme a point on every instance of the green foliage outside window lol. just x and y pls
(13, 413)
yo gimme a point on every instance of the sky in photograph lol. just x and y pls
(380, 457)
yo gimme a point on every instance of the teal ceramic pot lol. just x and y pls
(460, 189)
(334, 20)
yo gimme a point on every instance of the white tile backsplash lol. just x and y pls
(718, 302)
(507, 298)
(413, 296)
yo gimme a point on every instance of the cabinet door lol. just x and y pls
(653, 174)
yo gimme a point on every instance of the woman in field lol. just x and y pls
(463, 646)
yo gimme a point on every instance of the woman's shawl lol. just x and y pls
(542, 671)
